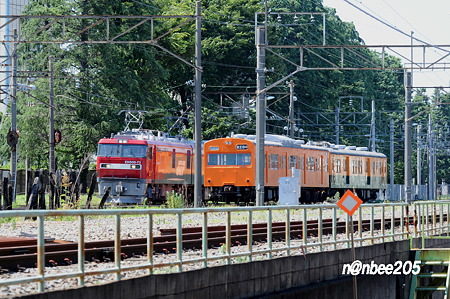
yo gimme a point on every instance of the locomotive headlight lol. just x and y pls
(134, 166)
(122, 141)
(104, 165)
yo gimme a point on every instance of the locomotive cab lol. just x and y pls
(121, 166)
(139, 165)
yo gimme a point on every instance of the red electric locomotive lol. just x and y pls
(143, 165)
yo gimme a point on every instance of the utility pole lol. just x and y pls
(408, 86)
(260, 113)
(336, 125)
(419, 162)
(434, 168)
(198, 107)
(430, 160)
(13, 168)
(291, 109)
(51, 156)
(372, 128)
(391, 181)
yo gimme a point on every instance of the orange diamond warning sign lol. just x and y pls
(349, 202)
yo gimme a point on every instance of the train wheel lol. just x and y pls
(215, 200)
(315, 196)
(323, 195)
(306, 197)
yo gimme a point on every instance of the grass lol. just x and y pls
(12, 220)
(21, 202)
(223, 248)
(175, 200)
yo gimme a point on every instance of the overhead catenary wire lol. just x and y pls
(396, 29)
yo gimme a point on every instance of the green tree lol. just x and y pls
(93, 82)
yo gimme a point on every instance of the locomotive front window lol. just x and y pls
(229, 159)
(122, 150)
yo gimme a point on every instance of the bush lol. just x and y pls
(174, 200)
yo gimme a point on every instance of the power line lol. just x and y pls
(395, 28)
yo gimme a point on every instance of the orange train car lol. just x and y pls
(230, 168)
(358, 168)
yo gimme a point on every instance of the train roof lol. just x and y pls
(275, 140)
(148, 136)
(284, 141)
(356, 152)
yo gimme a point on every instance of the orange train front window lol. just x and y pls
(229, 159)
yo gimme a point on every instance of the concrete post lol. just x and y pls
(408, 86)
(291, 109)
(198, 112)
(51, 156)
(419, 162)
(372, 128)
(13, 168)
(260, 114)
(430, 160)
(336, 125)
(391, 182)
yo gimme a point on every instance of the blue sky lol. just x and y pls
(429, 20)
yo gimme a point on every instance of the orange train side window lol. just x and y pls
(274, 161)
(292, 162)
(173, 158)
(188, 157)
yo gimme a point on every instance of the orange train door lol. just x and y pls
(368, 170)
(151, 162)
(285, 164)
(304, 168)
(321, 169)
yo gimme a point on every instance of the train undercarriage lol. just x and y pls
(247, 195)
(137, 191)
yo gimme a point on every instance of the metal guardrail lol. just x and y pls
(425, 226)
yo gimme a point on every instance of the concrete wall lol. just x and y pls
(317, 275)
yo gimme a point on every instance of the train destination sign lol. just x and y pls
(241, 147)
(349, 202)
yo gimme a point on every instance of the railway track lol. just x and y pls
(17, 255)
